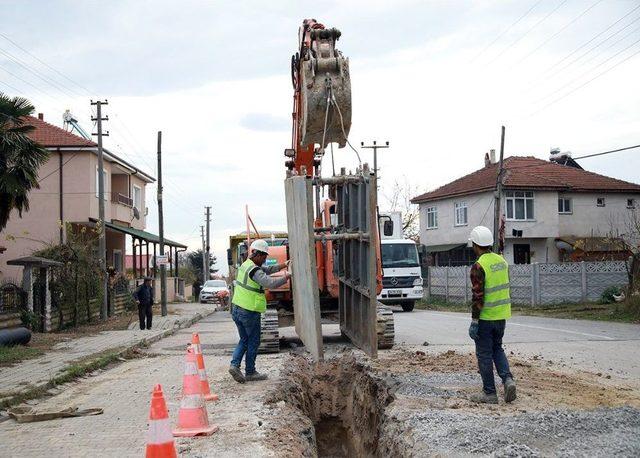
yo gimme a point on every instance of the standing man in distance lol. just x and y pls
(491, 307)
(248, 304)
(144, 298)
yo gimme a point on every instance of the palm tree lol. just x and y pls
(20, 157)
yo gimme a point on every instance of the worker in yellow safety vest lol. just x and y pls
(491, 307)
(247, 306)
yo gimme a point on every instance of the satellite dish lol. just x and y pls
(136, 213)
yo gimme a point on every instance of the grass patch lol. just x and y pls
(15, 354)
(617, 312)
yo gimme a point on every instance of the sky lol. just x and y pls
(436, 79)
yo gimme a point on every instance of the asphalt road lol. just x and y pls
(595, 346)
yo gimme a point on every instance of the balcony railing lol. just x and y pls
(118, 198)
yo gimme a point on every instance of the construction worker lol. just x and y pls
(143, 296)
(248, 304)
(491, 307)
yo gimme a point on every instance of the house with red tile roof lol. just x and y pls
(547, 207)
(68, 193)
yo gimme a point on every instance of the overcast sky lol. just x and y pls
(435, 78)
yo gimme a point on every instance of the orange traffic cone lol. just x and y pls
(204, 381)
(159, 440)
(192, 417)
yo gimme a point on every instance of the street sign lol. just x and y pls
(162, 260)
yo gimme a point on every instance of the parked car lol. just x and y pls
(212, 290)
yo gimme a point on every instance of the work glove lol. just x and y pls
(473, 329)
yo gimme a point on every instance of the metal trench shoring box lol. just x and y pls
(306, 297)
(357, 261)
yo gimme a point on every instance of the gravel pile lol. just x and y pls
(599, 432)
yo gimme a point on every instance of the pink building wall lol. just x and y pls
(40, 226)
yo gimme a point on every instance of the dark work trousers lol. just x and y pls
(145, 311)
(489, 352)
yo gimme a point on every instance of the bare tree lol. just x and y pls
(398, 198)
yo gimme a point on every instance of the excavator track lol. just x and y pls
(269, 334)
(386, 328)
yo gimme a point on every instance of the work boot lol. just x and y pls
(484, 398)
(509, 390)
(236, 373)
(255, 377)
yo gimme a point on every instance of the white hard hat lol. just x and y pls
(260, 245)
(481, 236)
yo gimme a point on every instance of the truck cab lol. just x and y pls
(401, 278)
(401, 273)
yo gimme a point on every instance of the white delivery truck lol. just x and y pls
(401, 278)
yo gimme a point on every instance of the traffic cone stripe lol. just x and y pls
(196, 348)
(193, 401)
(159, 437)
(190, 368)
(159, 432)
(203, 374)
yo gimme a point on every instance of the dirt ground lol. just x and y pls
(354, 406)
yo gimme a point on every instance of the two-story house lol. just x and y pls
(551, 209)
(68, 193)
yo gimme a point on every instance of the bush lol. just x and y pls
(607, 295)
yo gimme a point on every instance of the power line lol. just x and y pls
(594, 67)
(501, 34)
(595, 77)
(607, 152)
(44, 63)
(527, 32)
(562, 29)
(548, 72)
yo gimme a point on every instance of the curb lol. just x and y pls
(144, 342)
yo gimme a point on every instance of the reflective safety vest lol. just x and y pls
(497, 300)
(247, 293)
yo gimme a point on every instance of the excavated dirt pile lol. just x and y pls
(408, 403)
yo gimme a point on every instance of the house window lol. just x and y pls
(460, 213)
(117, 260)
(519, 205)
(600, 202)
(105, 182)
(631, 203)
(564, 205)
(137, 197)
(432, 217)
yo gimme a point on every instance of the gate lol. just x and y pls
(356, 207)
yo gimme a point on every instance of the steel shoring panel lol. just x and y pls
(357, 261)
(306, 300)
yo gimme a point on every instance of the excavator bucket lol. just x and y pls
(325, 90)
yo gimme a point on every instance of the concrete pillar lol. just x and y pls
(47, 299)
(27, 285)
(583, 274)
(446, 284)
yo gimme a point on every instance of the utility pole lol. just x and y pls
(497, 211)
(102, 236)
(163, 267)
(208, 247)
(375, 147)
(204, 263)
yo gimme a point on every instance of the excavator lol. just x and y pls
(321, 116)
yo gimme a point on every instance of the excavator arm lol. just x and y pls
(321, 98)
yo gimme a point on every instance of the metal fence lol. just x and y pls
(535, 284)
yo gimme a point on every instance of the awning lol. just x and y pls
(34, 261)
(445, 247)
(144, 235)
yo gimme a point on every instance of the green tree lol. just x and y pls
(20, 157)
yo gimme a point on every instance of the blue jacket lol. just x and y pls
(144, 294)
